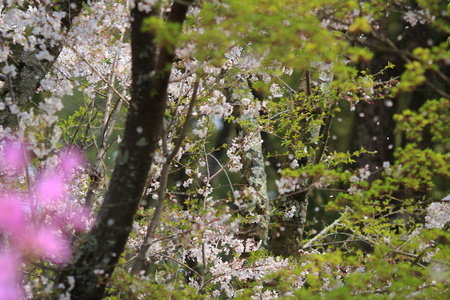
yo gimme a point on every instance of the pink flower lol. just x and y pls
(12, 160)
(72, 159)
(50, 188)
(37, 227)
(8, 277)
(46, 243)
(79, 219)
(12, 217)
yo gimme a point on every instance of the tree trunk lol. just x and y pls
(254, 175)
(95, 260)
(256, 211)
(287, 233)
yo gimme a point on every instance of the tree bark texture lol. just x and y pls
(253, 174)
(374, 131)
(287, 235)
(95, 260)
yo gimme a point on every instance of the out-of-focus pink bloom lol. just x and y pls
(79, 218)
(50, 188)
(12, 158)
(8, 277)
(46, 243)
(12, 217)
(72, 159)
(40, 227)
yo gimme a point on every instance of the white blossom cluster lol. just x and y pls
(212, 239)
(89, 54)
(325, 71)
(342, 24)
(415, 17)
(216, 105)
(145, 5)
(290, 213)
(235, 164)
(276, 91)
(288, 185)
(181, 86)
(228, 271)
(387, 168)
(233, 55)
(364, 174)
(429, 255)
(15, 22)
(247, 198)
(202, 127)
(239, 146)
(438, 215)
(251, 107)
(86, 54)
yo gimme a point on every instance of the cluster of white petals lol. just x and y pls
(417, 17)
(438, 215)
(288, 185)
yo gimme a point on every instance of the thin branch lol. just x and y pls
(405, 57)
(78, 81)
(180, 263)
(326, 133)
(186, 123)
(163, 184)
(202, 278)
(98, 74)
(79, 127)
(437, 90)
(221, 168)
(108, 124)
(325, 230)
(308, 84)
(22, 146)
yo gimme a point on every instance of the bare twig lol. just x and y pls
(202, 278)
(326, 132)
(186, 122)
(221, 168)
(22, 146)
(180, 263)
(163, 184)
(325, 230)
(98, 74)
(108, 124)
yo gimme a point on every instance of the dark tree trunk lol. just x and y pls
(374, 124)
(106, 242)
(374, 131)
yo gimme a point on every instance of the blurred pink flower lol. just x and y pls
(72, 159)
(50, 188)
(12, 217)
(8, 277)
(38, 227)
(79, 219)
(12, 160)
(48, 244)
